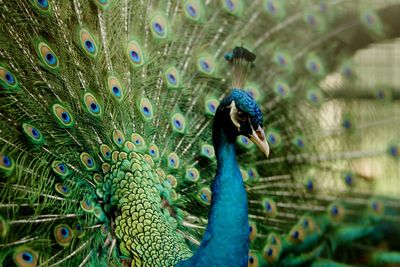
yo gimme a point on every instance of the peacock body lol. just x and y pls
(130, 132)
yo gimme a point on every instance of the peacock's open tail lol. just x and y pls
(106, 133)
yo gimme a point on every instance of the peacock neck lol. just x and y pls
(225, 242)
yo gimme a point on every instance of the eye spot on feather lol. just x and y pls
(60, 168)
(315, 66)
(274, 138)
(298, 141)
(348, 179)
(6, 163)
(135, 54)
(62, 115)
(63, 234)
(282, 89)
(192, 174)
(206, 64)
(178, 123)
(314, 97)
(336, 212)
(25, 257)
(88, 161)
(118, 138)
(371, 20)
(252, 231)
(347, 123)
(207, 151)
(347, 72)
(87, 205)
(62, 189)
(194, 10)
(308, 223)
(154, 152)
(47, 56)
(297, 234)
(245, 142)
(146, 109)
(211, 106)
(139, 142)
(172, 77)
(7, 79)
(284, 60)
(315, 21)
(253, 260)
(115, 88)
(394, 150)
(269, 207)
(34, 135)
(88, 43)
(91, 105)
(171, 180)
(158, 26)
(234, 7)
(271, 253)
(252, 173)
(275, 9)
(43, 6)
(309, 185)
(105, 152)
(204, 195)
(173, 161)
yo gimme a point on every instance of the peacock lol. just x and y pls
(199, 133)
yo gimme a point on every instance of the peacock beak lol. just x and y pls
(258, 137)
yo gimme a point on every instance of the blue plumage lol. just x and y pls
(226, 239)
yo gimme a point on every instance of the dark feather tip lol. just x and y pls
(241, 52)
(228, 56)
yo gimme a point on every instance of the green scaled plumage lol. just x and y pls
(106, 109)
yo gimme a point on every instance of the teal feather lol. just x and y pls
(109, 110)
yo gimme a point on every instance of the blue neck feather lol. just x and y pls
(226, 240)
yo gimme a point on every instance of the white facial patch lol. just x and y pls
(233, 114)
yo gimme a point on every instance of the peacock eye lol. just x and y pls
(241, 116)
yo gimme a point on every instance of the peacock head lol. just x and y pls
(239, 114)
